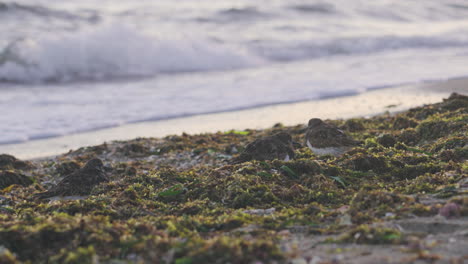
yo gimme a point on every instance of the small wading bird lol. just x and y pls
(80, 182)
(278, 146)
(323, 138)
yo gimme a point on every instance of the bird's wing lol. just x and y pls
(345, 140)
(243, 157)
(330, 134)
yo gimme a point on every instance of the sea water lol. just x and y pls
(73, 66)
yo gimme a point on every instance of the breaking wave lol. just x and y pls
(114, 52)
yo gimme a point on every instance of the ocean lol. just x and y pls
(73, 66)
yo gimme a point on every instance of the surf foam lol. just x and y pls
(114, 51)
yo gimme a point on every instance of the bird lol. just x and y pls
(323, 138)
(80, 182)
(277, 146)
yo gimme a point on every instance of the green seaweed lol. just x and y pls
(178, 200)
(172, 191)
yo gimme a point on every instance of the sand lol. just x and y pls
(394, 99)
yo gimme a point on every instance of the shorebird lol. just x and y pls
(323, 138)
(80, 182)
(278, 146)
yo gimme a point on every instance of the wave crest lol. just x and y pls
(114, 52)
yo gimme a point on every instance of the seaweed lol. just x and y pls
(177, 200)
(8, 178)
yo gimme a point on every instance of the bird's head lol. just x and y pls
(314, 122)
(284, 137)
(94, 164)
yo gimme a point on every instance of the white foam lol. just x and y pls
(45, 110)
(276, 54)
(316, 48)
(115, 51)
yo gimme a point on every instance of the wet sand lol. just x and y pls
(371, 103)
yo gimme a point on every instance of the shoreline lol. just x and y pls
(370, 103)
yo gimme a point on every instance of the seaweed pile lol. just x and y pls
(179, 200)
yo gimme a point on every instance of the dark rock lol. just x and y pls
(455, 101)
(462, 202)
(80, 182)
(403, 122)
(301, 166)
(386, 140)
(10, 162)
(231, 149)
(130, 171)
(409, 137)
(353, 125)
(66, 168)
(450, 210)
(448, 155)
(134, 150)
(8, 178)
(362, 162)
(401, 146)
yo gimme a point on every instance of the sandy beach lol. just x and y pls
(394, 99)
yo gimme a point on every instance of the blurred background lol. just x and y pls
(68, 67)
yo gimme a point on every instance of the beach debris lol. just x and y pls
(462, 202)
(416, 244)
(269, 211)
(8, 178)
(238, 132)
(369, 234)
(278, 146)
(345, 220)
(173, 191)
(316, 260)
(10, 162)
(324, 139)
(231, 149)
(463, 184)
(389, 215)
(289, 171)
(67, 198)
(79, 182)
(298, 261)
(450, 210)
